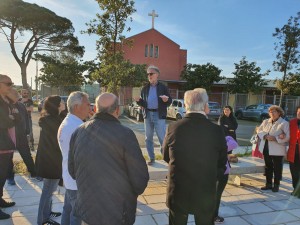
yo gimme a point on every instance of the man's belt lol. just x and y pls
(152, 110)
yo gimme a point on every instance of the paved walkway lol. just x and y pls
(241, 205)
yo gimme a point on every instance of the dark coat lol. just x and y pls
(196, 151)
(5, 122)
(162, 106)
(22, 128)
(229, 125)
(110, 171)
(49, 158)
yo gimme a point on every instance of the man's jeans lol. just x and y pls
(152, 122)
(45, 206)
(68, 217)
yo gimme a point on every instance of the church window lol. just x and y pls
(146, 50)
(151, 50)
(156, 53)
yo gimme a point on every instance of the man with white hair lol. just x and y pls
(79, 108)
(196, 151)
(108, 165)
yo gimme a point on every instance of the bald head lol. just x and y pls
(106, 103)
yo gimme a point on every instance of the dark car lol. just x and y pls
(135, 111)
(258, 112)
(215, 110)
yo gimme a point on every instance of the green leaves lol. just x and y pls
(287, 48)
(200, 75)
(62, 71)
(45, 30)
(247, 78)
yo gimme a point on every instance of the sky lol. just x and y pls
(220, 32)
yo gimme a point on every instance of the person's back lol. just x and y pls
(195, 159)
(196, 151)
(110, 171)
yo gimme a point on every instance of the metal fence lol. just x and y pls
(239, 100)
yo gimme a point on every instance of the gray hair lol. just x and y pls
(107, 108)
(75, 98)
(195, 100)
(154, 68)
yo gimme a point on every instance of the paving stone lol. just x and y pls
(144, 220)
(281, 205)
(257, 207)
(235, 221)
(270, 218)
(141, 200)
(155, 190)
(226, 211)
(155, 198)
(152, 209)
(295, 212)
(161, 219)
(295, 200)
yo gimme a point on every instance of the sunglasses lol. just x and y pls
(8, 84)
(150, 74)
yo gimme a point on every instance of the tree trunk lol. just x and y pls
(281, 97)
(24, 75)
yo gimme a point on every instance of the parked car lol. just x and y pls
(41, 102)
(135, 111)
(258, 112)
(215, 110)
(176, 110)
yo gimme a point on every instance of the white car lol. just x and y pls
(176, 110)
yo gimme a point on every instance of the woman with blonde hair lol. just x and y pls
(273, 146)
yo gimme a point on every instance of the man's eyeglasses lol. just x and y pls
(8, 84)
(150, 74)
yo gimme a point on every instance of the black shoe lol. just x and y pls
(3, 215)
(151, 162)
(51, 222)
(266, 187)
(275, 188)
(4, 204)
(54, 214)
(219, 219)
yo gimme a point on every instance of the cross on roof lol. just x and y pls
(153, 15)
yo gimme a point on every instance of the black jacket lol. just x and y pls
(5, 122)
(22, 128)
(110, 171)
(196, 152)
(162, 106)
(229, 125)
(49, 158)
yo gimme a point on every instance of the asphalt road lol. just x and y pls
(244, 131)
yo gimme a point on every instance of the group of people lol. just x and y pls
(274, 140)
(15, 130)
(102, 166)
(195, 187)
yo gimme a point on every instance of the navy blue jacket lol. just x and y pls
(162, 106)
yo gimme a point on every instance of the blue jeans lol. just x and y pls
(152, 122)
(45, 206)
(68, 217)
